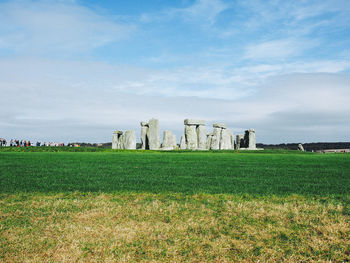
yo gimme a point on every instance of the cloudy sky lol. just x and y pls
(77, 70)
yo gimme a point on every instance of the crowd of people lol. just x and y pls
(27, 143)
(2, 142)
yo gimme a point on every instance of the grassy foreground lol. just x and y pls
(176, 206)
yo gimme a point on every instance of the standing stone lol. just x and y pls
(232, 136)
(301, 147)
(209, 138)
(195, 134)
(191, 137)
(202, 137)
(130, 140)
(239, 141)
(174, 142)
(153, 134)
(115, 139)
(225, 140)
(121, 142)
(215, 140)
(144, 130)
(222, 138)
(249, 139)
(169, 141)
(252, 139)
(183, 145)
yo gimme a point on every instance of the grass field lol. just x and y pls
(100, 205)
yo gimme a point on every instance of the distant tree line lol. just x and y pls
(315, 146)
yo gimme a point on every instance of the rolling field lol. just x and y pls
(127, 206)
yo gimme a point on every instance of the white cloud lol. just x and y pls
(54, 100)
(48, 27)
(203, 10)
(312, 9)
(202, 13)
(278, 49)
(258, 72)
(64, 99)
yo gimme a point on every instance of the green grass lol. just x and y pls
(99, 205)
(183, 172)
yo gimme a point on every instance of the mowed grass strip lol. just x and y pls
(186, 172)
(135, 227)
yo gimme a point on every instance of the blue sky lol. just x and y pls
(77, 70)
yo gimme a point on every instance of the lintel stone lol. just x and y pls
(219, 125)
(194, 122)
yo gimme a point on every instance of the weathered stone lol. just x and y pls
(209, 137)
(232, 136)
(301, 147)
(169, 141)
(215, 140)
(129, 140)
(174, 142)
(202, 137)
(225, 140)
(252, 139)
(246, 140)
(144, 130)
(183, 145)
(194, 122)
(153, 134)
(249, 139)
(121, 142)
(143, 123)
(115, 139)
(191, 137)
(239, 141)
(219, 125)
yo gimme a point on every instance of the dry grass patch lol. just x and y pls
(158, 228)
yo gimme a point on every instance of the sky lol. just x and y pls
(76, 70)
